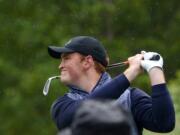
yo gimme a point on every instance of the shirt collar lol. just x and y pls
(105, 77)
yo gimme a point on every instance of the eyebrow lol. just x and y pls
(65, 55)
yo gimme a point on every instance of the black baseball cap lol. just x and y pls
(84, 45)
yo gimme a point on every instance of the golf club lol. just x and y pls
(47, 84)
(120, 64)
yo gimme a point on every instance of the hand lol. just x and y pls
(149, 62)
(134, 68)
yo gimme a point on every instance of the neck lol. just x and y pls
(89, 81)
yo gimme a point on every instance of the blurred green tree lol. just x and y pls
(125, 27)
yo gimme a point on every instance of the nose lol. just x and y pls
(61, 65)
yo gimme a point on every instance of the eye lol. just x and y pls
(66, 58)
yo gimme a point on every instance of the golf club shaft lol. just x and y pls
(120, 64)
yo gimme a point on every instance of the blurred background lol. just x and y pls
(125, 27)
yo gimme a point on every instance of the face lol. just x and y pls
(71, 68)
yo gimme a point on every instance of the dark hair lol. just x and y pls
(95, 117)
(98, 66)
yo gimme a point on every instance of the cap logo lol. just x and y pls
(68, 42)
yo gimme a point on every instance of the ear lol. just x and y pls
(88, 62)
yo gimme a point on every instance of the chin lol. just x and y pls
(65, 80)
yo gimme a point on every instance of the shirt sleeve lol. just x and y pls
(155, 112)
(64, 108)
(112, 89)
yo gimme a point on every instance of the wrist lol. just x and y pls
(131, 73)
(156, 76)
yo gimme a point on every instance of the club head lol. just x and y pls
(47, 84)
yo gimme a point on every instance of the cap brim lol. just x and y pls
(56, 52)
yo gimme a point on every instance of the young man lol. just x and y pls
(82, 69)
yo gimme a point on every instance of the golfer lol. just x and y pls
(83, 62)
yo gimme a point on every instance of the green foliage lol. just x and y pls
(125, 27)
(174, 90)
